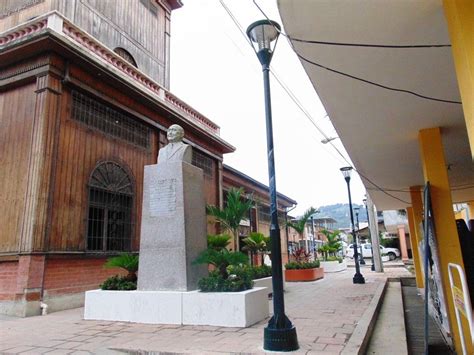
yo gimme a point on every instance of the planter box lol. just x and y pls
(154, 307)
(265, 282)
(304, 274)
(333, 266)
(225, 309)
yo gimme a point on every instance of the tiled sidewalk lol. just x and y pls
(325, 313)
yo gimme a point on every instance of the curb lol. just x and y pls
(359, 339)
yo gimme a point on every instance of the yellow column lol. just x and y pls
(415, 238)
(460, 18)
(434, 170)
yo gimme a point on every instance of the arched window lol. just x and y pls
(126, 55)
(109, 222)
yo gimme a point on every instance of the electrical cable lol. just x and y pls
(343, 44)
(359, 78)
(374, 83)
(299, 105)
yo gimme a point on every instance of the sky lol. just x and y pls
(214, 69)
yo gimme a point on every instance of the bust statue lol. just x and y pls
(175, 150)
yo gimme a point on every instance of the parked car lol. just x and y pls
(366, 250)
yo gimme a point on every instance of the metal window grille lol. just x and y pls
(109, 121)
(204, 162)
(109, 225)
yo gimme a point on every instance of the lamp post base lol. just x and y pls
(358, 279)
(284, 339)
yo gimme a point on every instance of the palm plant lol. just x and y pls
(333, 244)
(221, 259)
(127, 262)
(218, 241)
(300, 224)
(255, 243)
(236, 209)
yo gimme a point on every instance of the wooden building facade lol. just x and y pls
(78, 124)
(84, 106)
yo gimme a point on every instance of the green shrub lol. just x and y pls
(259, 272)
(305, 265)
(120, 283)
(238, 280)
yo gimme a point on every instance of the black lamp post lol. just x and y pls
(279, 334)
(358, 278)
(372, 268)
(362, 261)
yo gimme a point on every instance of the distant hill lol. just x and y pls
(340, 212)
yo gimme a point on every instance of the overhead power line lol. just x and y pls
(370, 82)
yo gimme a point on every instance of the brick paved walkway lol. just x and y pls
(325, 313)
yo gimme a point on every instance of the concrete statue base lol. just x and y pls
(223, 309)
(173, 228)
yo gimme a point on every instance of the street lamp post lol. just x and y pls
(362, 261)
(280, 333)
(358, 278)
(372, 268)
(313, 249)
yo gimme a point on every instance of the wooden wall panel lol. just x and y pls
(80, 149)
(17, 109)
(14, 12)
(131, 26)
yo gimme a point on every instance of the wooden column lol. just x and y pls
(41, 162)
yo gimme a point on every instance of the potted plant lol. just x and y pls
(220, 280)
(236, 209)
(226, 297)
(301, 268)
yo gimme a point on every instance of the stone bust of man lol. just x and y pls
(175, 150)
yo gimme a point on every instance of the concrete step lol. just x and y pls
(389, 335)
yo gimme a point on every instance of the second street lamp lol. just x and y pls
(358, 278)
(279, 334)
(362, 261)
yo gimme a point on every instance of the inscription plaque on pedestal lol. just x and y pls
(162, 197)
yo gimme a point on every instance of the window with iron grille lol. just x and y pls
(204, 162)
(264, 213)
(109, 121)
(109, 224)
